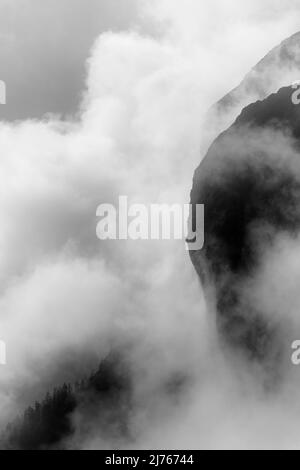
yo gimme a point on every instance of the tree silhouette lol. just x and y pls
(106, 393)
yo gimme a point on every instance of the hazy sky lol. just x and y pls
(44, 46)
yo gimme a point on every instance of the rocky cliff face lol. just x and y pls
(279, 68)
(249, 182)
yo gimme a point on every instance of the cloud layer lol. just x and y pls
(66, 296)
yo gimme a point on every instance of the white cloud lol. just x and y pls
(139, 135)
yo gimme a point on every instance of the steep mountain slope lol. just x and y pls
(249, 182)
(279, 68)
(103, 400)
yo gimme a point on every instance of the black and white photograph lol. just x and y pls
(150, 228)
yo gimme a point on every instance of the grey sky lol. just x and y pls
(44, 46)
